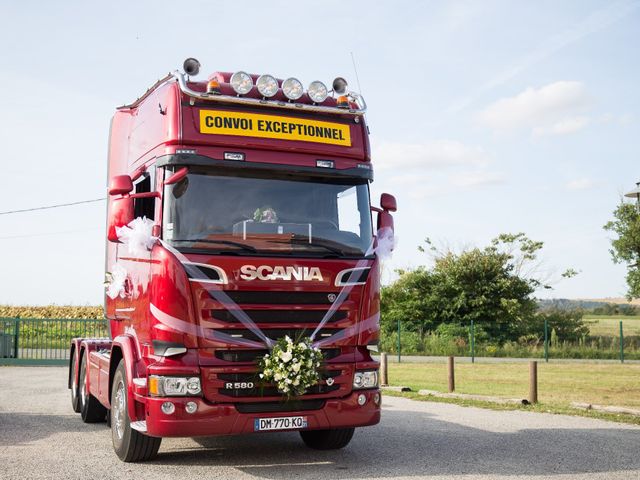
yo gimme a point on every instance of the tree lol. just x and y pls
(493, 286)
(626, 247)
(410, 299)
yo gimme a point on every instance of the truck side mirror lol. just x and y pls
(385, 220)
(121, 185)
(388, 202)
(120, 209)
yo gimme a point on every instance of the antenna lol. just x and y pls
(353, 60)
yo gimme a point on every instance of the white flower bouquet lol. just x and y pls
(291, 366)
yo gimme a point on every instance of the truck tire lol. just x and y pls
(91, 410)
(130, 445)
(75, 396)
(327, 439)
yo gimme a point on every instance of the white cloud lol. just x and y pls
(609, 118)
(563, 127)
(594, 22)
(478, 179)
(537, 108)
(580, 184)
(433, 168)
(432, 154)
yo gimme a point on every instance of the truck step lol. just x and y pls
(140, 425)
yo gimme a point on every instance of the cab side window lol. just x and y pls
(145, 207)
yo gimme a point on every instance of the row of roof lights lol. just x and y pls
(292, 88)
(267, 85)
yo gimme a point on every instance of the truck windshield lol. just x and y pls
(255, 213)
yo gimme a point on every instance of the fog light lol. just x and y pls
(168, 408)
(376, 399)
(362, 399)
(191, 407)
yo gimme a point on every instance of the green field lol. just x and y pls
(558, 384)
(609, 326)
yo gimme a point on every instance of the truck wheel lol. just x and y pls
(91, 410)
(75, 397)
(327, 439)
(129, 444)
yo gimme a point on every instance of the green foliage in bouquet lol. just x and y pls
(291, 366)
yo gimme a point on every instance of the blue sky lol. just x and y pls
(486, 117)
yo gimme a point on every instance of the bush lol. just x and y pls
(410, 342)
(568, 325)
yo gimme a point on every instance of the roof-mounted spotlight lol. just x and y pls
(292, 88)
(191, 67)
(267, 85)
(317, 91)
(340, 86)
(241, 82)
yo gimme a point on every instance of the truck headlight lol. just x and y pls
(368, 379)
(174, 386)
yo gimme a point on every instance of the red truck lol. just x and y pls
(250, 197)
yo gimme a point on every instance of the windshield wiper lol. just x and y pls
(243, 246)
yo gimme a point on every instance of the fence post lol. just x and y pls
(546, 340)
(451, 375)
(399, 345)
(384, 378)
(473, 343)
(16, 332)
(533, 382)
(621, 344)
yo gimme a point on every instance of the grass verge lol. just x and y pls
(540, 407)
(559, 384)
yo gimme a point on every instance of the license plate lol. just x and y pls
(279, 423)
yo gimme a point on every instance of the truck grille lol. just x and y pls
(269, 390)
(248, 356)
(281, 298)
(268, 407)
(251, 377)
(276, 334)
(273, 391)
(280, 316)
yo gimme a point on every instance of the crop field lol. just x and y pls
(609, 326)
(558, 384)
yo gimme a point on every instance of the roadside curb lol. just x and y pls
(606, 409)
(395, 389)
(481, 398)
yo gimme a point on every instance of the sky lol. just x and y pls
(485, 117)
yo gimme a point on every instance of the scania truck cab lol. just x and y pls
(238, 214)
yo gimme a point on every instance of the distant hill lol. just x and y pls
(616, 300)
(585, 303)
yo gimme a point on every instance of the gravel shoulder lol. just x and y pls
(42, 438)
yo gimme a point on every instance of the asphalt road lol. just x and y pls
(40, 437)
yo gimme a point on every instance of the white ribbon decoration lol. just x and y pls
(115, 282)
(137, 237)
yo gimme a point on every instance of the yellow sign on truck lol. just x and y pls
(219, 122)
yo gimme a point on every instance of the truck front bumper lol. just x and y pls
(223, 419)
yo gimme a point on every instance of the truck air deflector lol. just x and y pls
(203, 161)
